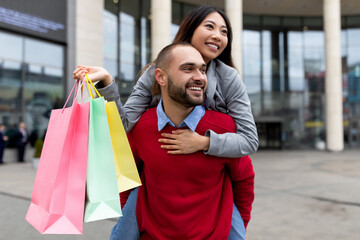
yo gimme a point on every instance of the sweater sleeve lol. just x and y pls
(137, 103)
(245, 141)
(242, 176)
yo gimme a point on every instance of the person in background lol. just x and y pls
(21, 141)
(3, 139)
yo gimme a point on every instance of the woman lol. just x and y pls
(209, 30)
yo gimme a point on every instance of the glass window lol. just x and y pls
(272, 103)
(32, 86)
(176, 16)
(294, 125)
(299, 63)
(353, 37)
(271, 21)
(145, 34)
(11, 46)
(43, 91)
(314, 39)
(292, 21)
(295, 61)
(11, 52)
(251, 43)
(295, 39)
(313, 22)
(188, 8)
(43, 53)
(43, 86)
(143, 42)
(127, 41)
(111, 6)
(134, 35)
(174, 30)
(10, 86)
(266, 60)
(252, 20)
(344, 40)
(314, 52)
(353, 21)
(255, 100)
(251, 63)
(353, 67)
(127, 46)
(353, 47)
(314, 101)
(110, 42)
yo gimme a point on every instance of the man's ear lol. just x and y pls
(160, 76)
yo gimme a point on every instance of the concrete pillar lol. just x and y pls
(71, 45)
(84, 36)
(160, 25)
(89, 32)
(234, 11)
(333, 79)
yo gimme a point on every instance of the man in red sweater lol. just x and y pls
(186, 196)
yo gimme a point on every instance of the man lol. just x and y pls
(21, 141)
(3, 139)
(186, 196)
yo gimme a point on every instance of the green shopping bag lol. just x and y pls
(126, 171)
(102, 194)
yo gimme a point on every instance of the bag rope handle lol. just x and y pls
(76, 86)
(87, 83)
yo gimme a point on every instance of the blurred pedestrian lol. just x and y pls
(3, 139)
(21, 141)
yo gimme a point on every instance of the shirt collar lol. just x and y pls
(191, 121)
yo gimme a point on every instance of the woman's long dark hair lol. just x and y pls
(194, 19)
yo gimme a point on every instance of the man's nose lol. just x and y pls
(199, 75)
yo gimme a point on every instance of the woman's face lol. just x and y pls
(210, 37)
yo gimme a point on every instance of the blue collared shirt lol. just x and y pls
(190, 121)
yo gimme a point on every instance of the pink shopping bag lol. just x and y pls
(57, 202)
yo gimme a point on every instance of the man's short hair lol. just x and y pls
(163, 61)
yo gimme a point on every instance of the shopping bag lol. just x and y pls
(126, 172)
(102, 195)
(57, 202)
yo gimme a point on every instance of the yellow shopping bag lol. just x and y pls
(126, 171)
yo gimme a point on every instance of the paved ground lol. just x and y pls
(306, 195)
(299, 195)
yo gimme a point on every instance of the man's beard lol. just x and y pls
(180, 96)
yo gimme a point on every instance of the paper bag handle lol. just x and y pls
(87, 83)
(76, 85)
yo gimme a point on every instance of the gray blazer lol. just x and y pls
(225, 93)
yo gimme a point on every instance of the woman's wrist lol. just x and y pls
(107, 80)
(205, 143)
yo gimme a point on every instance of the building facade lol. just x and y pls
(32, 63)
(280, 48)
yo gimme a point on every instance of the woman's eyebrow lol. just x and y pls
(210, 21)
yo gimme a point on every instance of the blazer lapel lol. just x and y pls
(211, 85)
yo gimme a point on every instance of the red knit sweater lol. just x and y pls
(189, 196)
